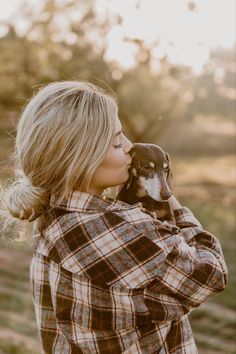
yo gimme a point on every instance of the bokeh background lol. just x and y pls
(172, 66)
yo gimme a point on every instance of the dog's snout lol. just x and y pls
(165, 194)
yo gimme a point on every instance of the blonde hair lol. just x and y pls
(62, 136)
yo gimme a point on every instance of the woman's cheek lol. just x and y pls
(120, 158)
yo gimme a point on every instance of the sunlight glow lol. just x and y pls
(185, 36)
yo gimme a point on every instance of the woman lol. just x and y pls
(105, 277)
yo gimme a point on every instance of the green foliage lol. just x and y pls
(221, 222)
(215, 90)
(40, 56)
(145, 99)
(6, 347)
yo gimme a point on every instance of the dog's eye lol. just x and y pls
(166, 166)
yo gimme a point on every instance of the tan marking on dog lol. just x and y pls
(165, 165)
(134, 172)
(141, 192)
(152, 187)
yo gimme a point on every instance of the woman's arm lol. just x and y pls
(183, 216)
(174, 203)
(177, 271)
(173, 272)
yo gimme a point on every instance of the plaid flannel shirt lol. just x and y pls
(106, 277)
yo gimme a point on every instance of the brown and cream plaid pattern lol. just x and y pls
(108, 278)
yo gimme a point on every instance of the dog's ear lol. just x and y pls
(132, 173)
(169, 175)
(167, 157)
(129, 181)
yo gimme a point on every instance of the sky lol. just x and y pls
(186, 37)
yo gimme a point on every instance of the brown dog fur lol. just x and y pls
(149, 181)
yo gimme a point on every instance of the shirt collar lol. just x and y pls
(89, 203)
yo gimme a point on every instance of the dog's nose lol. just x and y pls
(165, 194)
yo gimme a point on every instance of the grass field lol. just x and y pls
(210, 194)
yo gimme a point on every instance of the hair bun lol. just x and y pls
(25, 201)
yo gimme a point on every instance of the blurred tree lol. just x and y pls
(45, 53)
(150, 103)
(18, 69)
(57, 49)
(67, 41)
(215, 89)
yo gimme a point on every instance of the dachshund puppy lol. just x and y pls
(149, 181)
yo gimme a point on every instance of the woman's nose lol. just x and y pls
(127, 145)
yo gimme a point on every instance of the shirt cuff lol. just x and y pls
(185, 218)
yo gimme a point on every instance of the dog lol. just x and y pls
(149, 181)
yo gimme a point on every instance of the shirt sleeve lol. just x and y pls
(184, 217)
(176, 272)
(193, 270)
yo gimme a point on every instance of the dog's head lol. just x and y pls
(152, 171)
